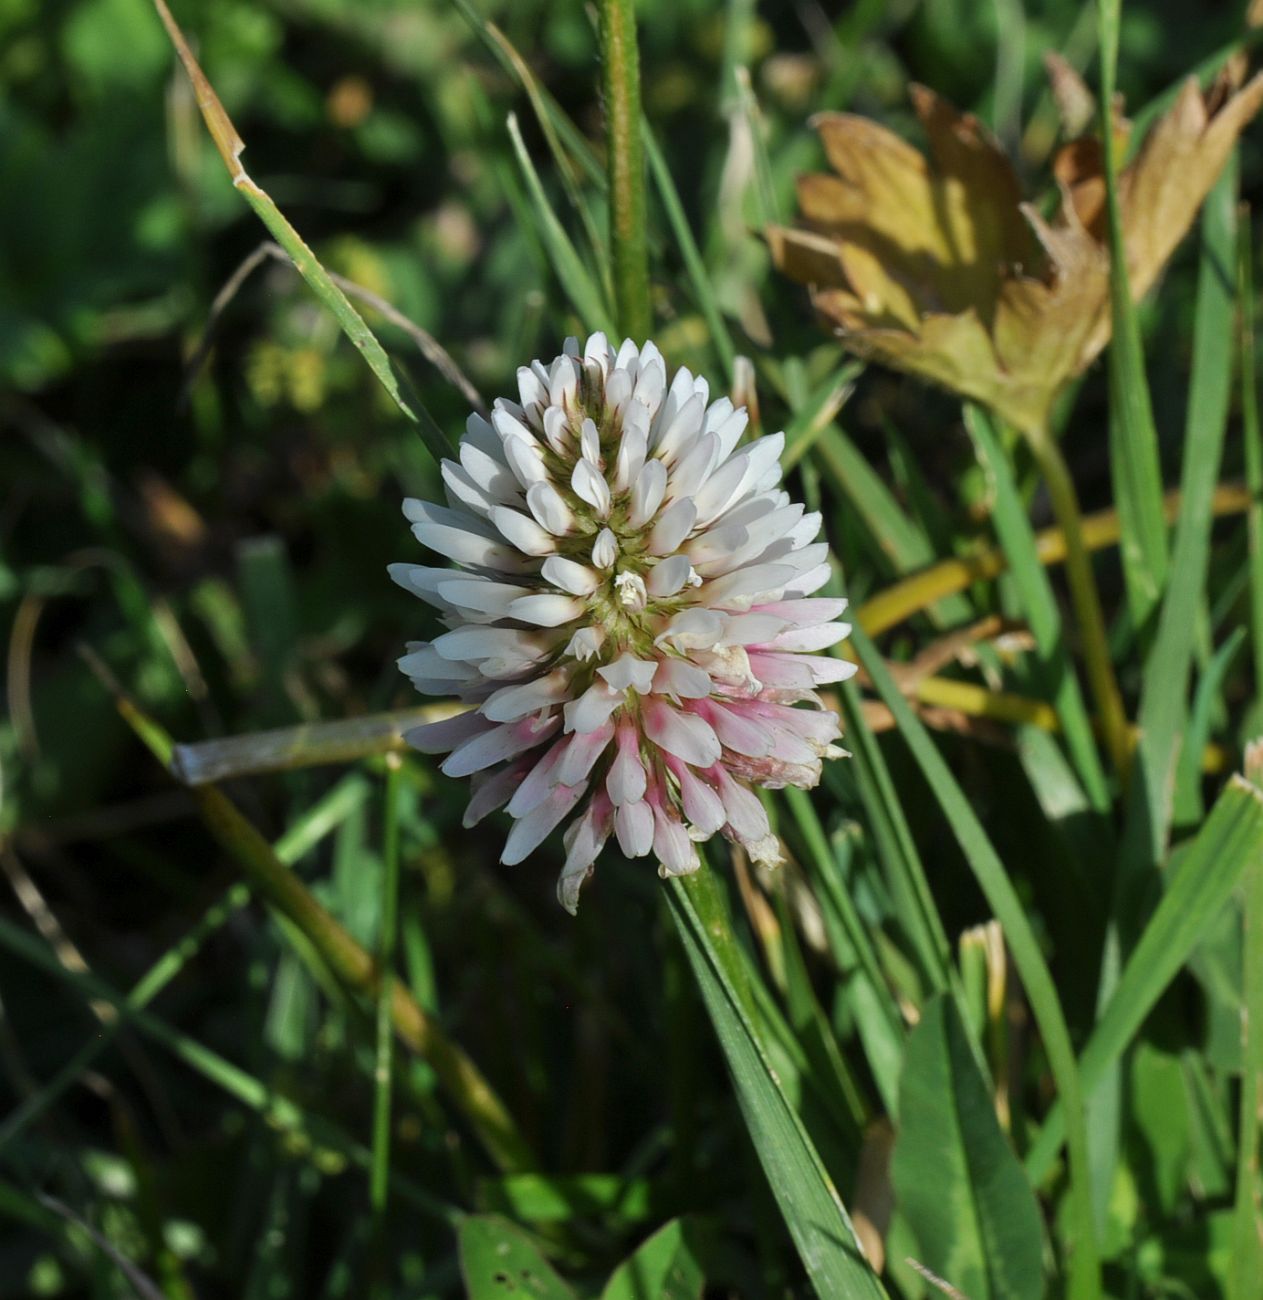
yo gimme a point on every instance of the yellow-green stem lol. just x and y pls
(1085, 597)
(625, 163)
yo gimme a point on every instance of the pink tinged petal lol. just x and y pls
(693, 629)
(682, 679)
(785, 672)
(584, 839)
(628, 672)
(605, 549)
(626, 781)
(538, 781)
(593, 708)
(746, 583)
(447, 733)
(589, 485)
(546, 609)
(495, 746)
(491, 790)
(480, 594)
(826, 669)
(738, 729)
(820, 637)
(685, 735)
(569, 576)
(702, 806)
(551, 513)
(672, 526)
(510, 703)
(676, 853)
(529, 833)
(525, 462)
(463, 490)
(667, 578)
(523, 532)
(647, 493)
(751, 628)
(633, 824)
(820, 726)
(681, 429)
(789, 747)
(805, 613)
(581, 754)
(741, 805)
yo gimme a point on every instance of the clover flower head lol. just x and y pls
(632, 617)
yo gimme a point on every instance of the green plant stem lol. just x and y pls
(1253, 440)
(620, 87)
(1086, 599)
(379, 1183)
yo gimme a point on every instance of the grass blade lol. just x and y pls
(231, 146)
(812, 1209)
(1133, 438)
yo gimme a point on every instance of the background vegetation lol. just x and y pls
(214, 523)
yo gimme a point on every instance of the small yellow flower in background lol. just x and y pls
(937, 267)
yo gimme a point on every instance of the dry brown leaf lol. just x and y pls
(935, 266)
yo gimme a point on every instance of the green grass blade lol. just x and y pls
(1017, 540)
(572, 275)
(956, 1179)
(690, 253)
(1133, 438)
(231, 146)
(1252, 435)
(813, 1211)
(1164, 694)
(1008, 909)
(665, 1267)
(1203, 877)
(1247, 1252)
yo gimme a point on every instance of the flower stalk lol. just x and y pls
(620, 88)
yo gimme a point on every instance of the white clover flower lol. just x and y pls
(630, 618)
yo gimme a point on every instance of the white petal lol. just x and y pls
(550, 511)
(672, 527)
(593, 708)
(604, 549)
(590, 442)
(468, 547)
(523, 532)
(546, 609)
(667, 578)
(478, 641)
(626, 782)
(744, 583)
(569, 575)
(647, 493)
(693, 629)
(675, 852)
(447, 733)
(693, 468)
(820, 637)
(633, 823)
(628, 672)
(489, 473)
(680, 678)
(682, 430)
(590, 486)
(510, 703)
(525, 462)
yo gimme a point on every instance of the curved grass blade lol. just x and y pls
(231, 146)
(813, 1211)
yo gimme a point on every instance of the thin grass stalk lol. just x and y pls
(1086, 598)
(379, 1181)
(1253, 438)
(1133, 439)
(625, 163)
